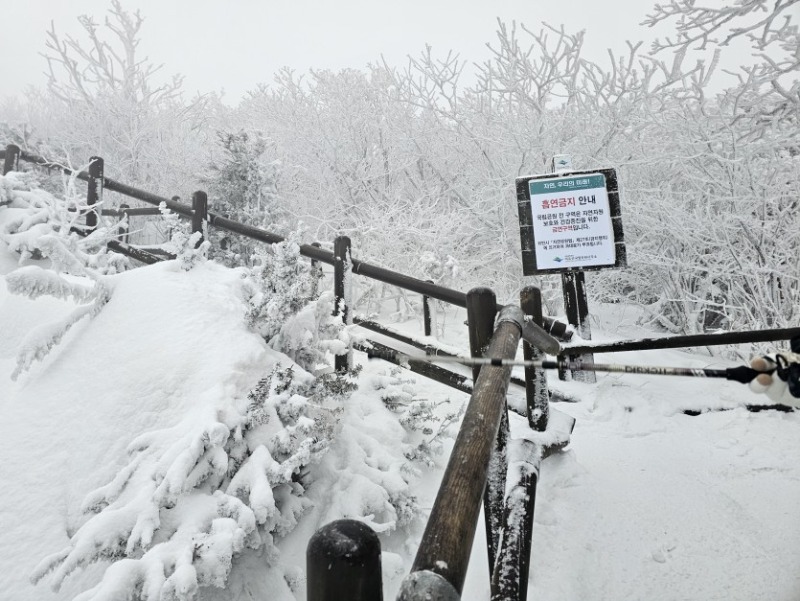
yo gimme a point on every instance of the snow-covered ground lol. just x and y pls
(646, 502)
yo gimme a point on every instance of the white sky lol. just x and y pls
(236, 44)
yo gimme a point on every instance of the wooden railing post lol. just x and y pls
(125, 230)
(317, 274)
(509, 576)
(343, 561)
(447, 541)
(341, 265)
(536, 392)
(510, 572)
(11, 162)
(481, 312)
(426, 313)
(200, 215)
(94, 190)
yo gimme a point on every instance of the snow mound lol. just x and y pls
(170, 352)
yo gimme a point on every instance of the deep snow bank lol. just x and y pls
(168, 345)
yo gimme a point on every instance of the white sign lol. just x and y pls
(572, 222)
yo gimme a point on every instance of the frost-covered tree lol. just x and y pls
(411, 163)
(103, 98)
(243, 186)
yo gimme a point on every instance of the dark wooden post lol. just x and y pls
(509, 577)
(125, 230)
(576, 305)
(343, 561)
(536, 391)
(341, 264)
(94, 190)
(510, 571)
(481, 313)
(316, 268)
(447, 541)
(426, 313)
(11, 162)
(200, 215)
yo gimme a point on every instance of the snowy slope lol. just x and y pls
(170, 344)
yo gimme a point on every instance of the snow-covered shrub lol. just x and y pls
(314, 334)
(38, 226)
(92, 292)
(194, 497)
(183, 243)
(427, 422)
(376, 459)
(284, 283)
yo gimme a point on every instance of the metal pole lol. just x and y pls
(741, 373)
(343, 561)
(573, 288)
(576, 305)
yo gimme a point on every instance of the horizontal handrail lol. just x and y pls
(651, 344)
(387, 276)
(139, 254)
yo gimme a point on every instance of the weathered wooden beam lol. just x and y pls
(428, 370)
(11, 158)
(447, 540)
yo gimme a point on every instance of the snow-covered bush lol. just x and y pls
(194, 497)
(427, 422)
(377, 457)
(284, 283)
(39, 226)
(36, 225)
(221, 487)
(183, 243)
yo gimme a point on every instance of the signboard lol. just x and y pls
(570, 221)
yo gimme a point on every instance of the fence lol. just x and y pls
(344, 557)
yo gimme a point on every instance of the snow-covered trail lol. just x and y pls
(649, 503)
(675, 507)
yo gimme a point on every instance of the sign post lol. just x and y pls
(570, 222)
